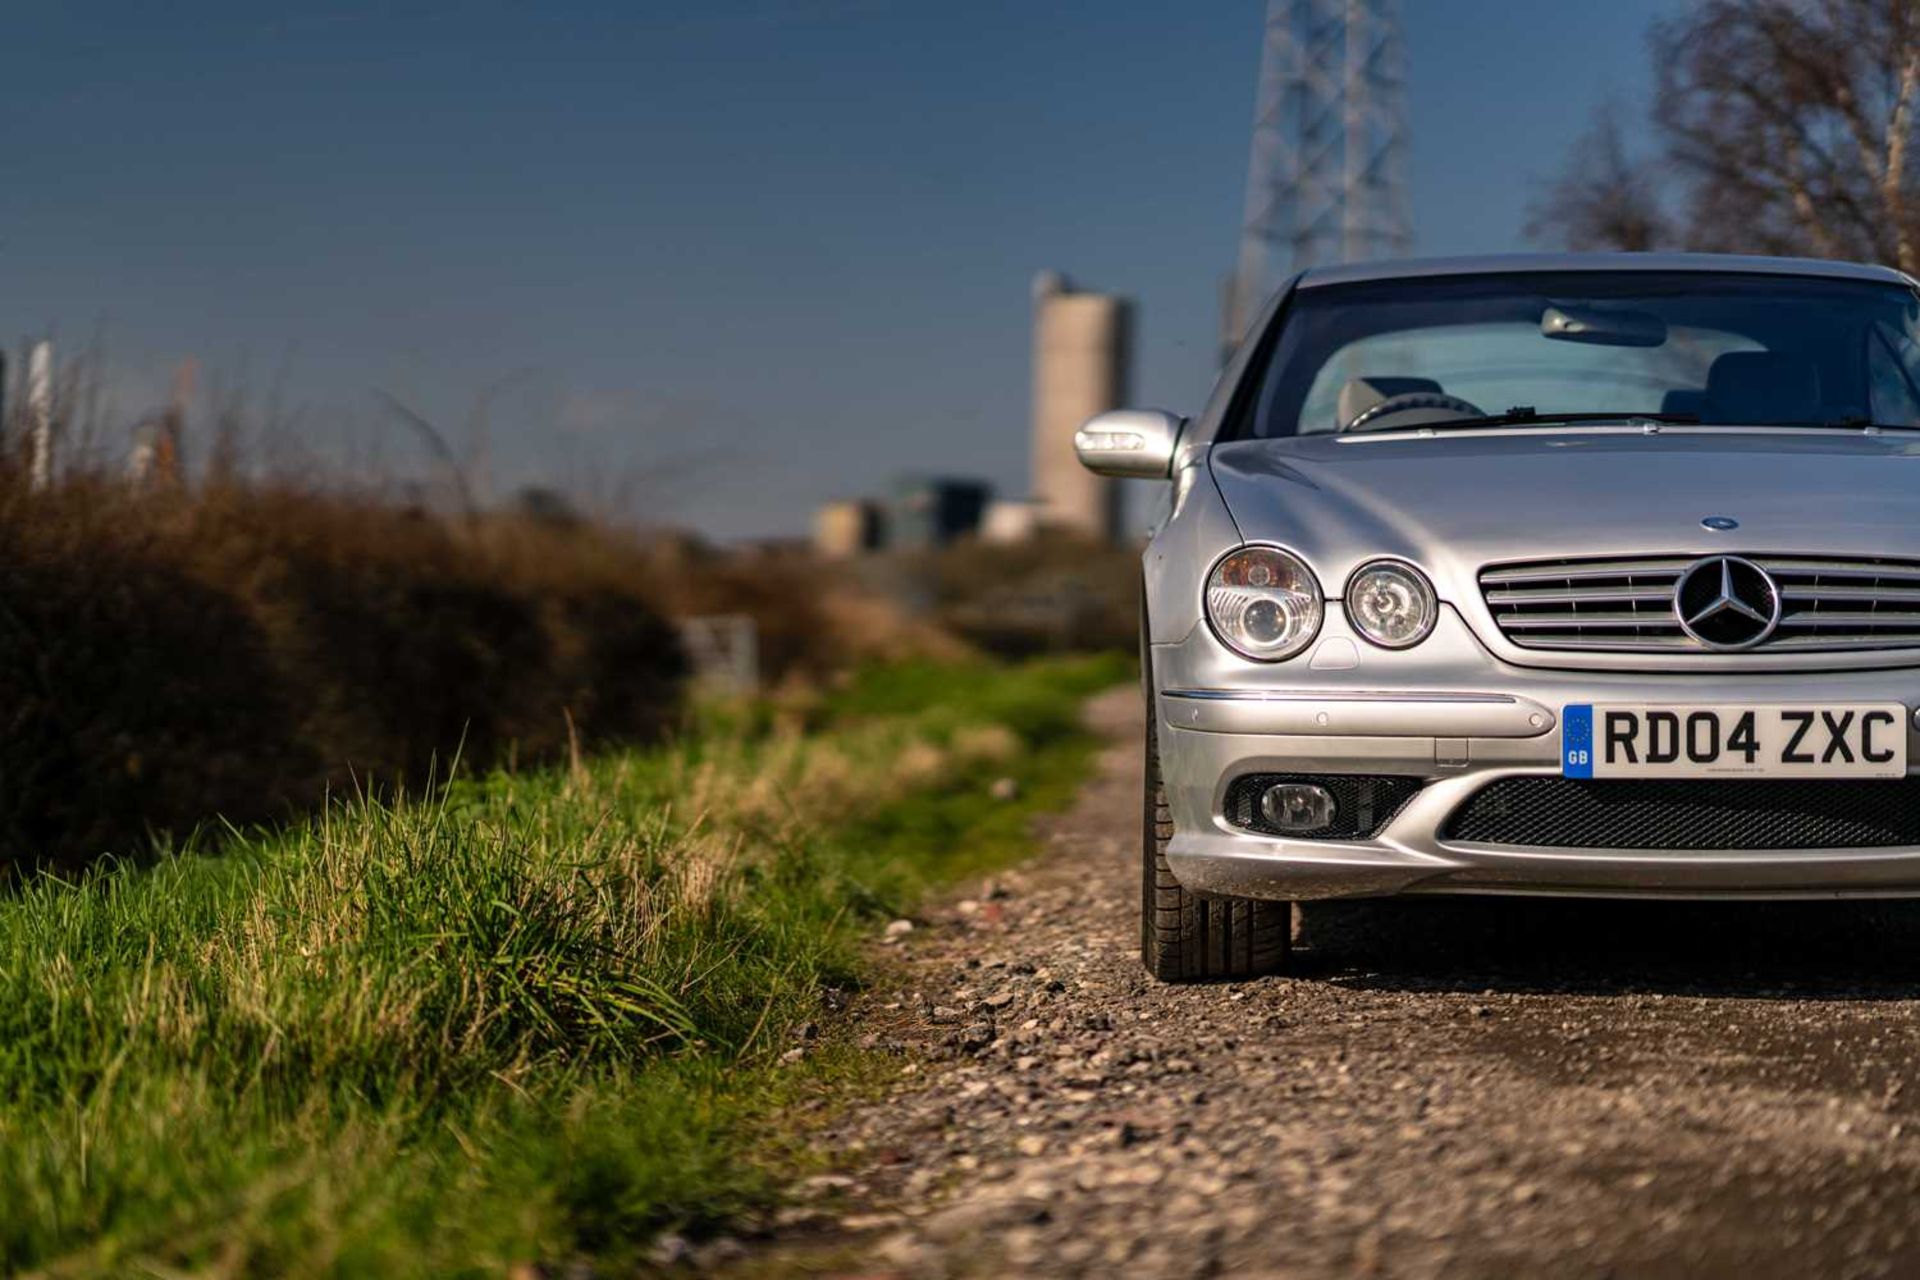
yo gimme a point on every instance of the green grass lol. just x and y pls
(537, 1017)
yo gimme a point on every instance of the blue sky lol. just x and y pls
(731, 257)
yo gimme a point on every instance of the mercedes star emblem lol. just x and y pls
(1727, 603)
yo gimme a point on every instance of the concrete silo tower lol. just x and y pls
(1082, 365)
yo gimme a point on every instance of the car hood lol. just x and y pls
(1453, 503)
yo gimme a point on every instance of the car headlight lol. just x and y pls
(1391, 604)
(1264, 603)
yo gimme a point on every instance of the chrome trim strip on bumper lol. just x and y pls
(1356, 713)
(1336, 695)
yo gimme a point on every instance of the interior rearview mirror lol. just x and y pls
(1131, 443)
(1603, 326)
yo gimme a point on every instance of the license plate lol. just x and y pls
(1631, 740)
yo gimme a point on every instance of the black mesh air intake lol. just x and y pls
(1362, 803)
(1574, 813)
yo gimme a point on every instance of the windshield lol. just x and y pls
(1693, 347)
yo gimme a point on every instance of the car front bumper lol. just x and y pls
(1458, 719)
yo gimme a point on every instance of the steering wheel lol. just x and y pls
(1452, 405)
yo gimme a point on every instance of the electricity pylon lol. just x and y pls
(1326, 179)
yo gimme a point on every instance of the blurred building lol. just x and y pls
(1082, 366)
(932, 511)
(842, 529)
(1009, 520)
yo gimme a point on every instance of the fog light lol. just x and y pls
(1297, 808)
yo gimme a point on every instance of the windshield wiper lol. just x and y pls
(1525, 415)
(1853, 422)
(1849, 422)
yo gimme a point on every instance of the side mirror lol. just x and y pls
(1130, 443)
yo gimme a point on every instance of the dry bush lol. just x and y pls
(813, 620)
(190, 645)
(168, 657)
(165, 658)
(1054, 594)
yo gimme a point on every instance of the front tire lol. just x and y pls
(1185, 937)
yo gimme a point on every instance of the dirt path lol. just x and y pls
(1487, 1088)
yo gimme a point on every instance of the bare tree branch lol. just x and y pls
(1602, 199)
(1780, 126)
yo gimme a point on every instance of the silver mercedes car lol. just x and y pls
(1577, 574)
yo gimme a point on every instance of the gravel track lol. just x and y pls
(1445, 1088)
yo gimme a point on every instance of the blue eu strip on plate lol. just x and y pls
(1576, 741)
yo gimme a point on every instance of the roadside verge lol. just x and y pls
(542, 1017)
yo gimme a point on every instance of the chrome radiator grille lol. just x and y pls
(1627, 604)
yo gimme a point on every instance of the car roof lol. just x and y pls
(1510, 263)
